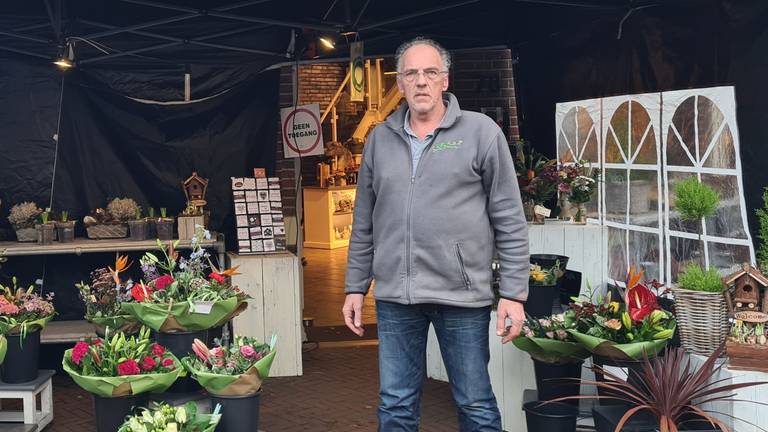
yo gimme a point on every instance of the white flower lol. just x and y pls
(181, 415)
(207, 235)
(171, 427)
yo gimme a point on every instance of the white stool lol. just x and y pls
(28, 392)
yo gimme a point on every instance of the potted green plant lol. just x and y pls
(695, 201)
(151, 228)
(138, 226)
(65, 228)
(164, 225)
(104, 296)
(118, 371)
(163, 417)
(23, 314)
(700, 304)
(671, 394)
(46, 229)
(112, 221)
(233, 375)
(22, 218)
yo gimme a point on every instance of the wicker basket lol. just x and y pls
(702, 319)
(26, 235)
(107, 231)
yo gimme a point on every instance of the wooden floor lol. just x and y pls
(324, 288)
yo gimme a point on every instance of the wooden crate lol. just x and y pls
(747, 356)
(187, 226)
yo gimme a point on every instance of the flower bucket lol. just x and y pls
(557, 380)
(541, 299)
(21, 359)
(66, 231)
(239, 413)
(138, 229)
(3, 348)
(111, 412)
(551, 417)
(632, 368)
(180, 344)
(26, 235)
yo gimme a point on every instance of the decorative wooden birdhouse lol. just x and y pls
(749, 290)
(194, 189)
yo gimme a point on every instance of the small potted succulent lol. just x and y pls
(46, 229)
(112, 222)
(138, 226)
(65, 228)
(22, 218)
(164, 225)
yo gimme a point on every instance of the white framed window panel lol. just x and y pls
(701, 138)
(577, 125)
(632, 176)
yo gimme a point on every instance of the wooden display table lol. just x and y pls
(28, 392)
(273, 282)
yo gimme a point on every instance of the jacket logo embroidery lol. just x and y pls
(448, 145)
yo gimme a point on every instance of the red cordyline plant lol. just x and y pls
(671, 389)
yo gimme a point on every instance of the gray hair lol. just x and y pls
(444, 54)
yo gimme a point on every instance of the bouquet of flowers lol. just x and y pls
(165, 418)
(547, 339)
(578, 182)
(541, 276)
(543, 186)
(235, 370)
(624, 330)
(103, 298)
(180, 294)
(23, 311)
(120, 366)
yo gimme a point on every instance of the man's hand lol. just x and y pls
(512, 310)
(353, 313)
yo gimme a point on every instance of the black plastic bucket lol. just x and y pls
(633, 368)
(110, 413)
(549, 260)
(180, 344)
(239, 413)
(570, 286)
(551, 417)
(21, 359)
(555, 381)
(540, 300)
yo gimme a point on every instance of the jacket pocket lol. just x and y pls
(462, 268)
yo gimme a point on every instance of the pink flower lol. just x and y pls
(218, 362)
(562, 334)
(550, 334)
(168, 363)
(7, 308)
(79, 351)
(163, 281)
(564, 187)
(158, 350)
(217, 352)
(148, 363)
(247, 351)
(128, 367)
(217, 277)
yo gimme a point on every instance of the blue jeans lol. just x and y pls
(463, 337)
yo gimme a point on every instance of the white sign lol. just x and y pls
(302, 132)
(542, 211)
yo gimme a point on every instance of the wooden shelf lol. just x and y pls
(83, 245)
(66, 331)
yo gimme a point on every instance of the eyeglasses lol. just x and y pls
(430, 74)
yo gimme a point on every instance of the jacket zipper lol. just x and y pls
(464, 275)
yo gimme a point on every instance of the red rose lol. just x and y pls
(128, 367)
(168, 363)
(79, 351)
(148, 363)
(141, 292)
(641, 302)
(163, 281)
(217, 277)
(158, 350)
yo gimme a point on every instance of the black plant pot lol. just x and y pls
(570, 286)
(151, 229)
(110, 413)
(66, 231)
(634, 370)
(180, 344)
(164, 229)
(46, 233)
(556, 381)
(21, 359)
(607, 418)
(540, 300)
(239, 413)
(551, 417)
(138, 229)
(549, 260)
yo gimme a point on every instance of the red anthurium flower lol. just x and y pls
(141, 292)
(217, 277)
(641, 302)
(163, 281)
(128, 367)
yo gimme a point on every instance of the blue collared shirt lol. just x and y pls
(417, 145)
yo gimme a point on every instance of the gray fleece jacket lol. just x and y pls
(429, 238)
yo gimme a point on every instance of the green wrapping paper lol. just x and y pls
(3, 348)
(245, 384)
(178, 317)
(627, 351)
(32, 326)
(125, 323)
(122, 385)
(551, 351)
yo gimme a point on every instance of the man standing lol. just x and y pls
(436, 192)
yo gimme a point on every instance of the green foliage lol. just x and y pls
(762, 216)
(697, 279)
(151, 212)
(695, 200)
(64, 216)
(163, 212)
